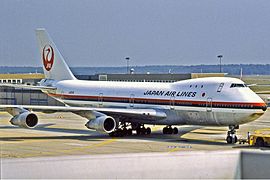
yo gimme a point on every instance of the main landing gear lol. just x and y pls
(231, 137)
(170, 130)
(126, 129)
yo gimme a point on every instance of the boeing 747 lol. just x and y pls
(118, 108)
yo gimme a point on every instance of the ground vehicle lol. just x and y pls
(260, 138)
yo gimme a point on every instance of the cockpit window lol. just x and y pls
(238, 85)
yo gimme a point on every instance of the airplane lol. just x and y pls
(124, 108)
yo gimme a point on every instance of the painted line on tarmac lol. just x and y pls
(173, 150)
(178, 147)
(91, 146)
(56, 152)
(76, 144)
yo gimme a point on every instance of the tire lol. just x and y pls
(259, 142)
(170, 130)
(235, 139)
(148, 130)
(129, 132)
(229, 139)
(124, 131)
(142, 131)
(175, 130)
(138, 131)
(165, 130)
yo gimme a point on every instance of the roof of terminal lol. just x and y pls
(22, 76)
(41, 76)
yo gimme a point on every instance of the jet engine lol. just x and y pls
(103, 124)
(25, 119)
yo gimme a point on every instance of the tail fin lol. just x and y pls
(54, 65)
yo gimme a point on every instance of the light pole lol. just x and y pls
(127, 58)
(220, 56)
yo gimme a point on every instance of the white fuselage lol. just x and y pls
(217, 101)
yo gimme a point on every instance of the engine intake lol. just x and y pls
(104, 124)
(25, 119)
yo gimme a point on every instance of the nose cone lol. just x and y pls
(248, 96)
(258, 101)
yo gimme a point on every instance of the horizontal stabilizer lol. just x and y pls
(23, 86)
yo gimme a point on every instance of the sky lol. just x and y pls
(150, 32)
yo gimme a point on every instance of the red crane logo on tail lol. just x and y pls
(48, 57)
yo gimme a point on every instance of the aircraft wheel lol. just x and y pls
(165, 131)
(175, 130)
(229, 139)
(143, 131)
(235, 139)
(125, 132)
(148, 130)
(129, 132)
(138, 131)
(170, 130)
(259, 142)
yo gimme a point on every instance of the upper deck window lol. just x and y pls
(220, 87)
(237, 85)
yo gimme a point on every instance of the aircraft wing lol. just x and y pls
(262, 92)
(146, 114)
(266, 87)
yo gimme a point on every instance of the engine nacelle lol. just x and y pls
(103, 124)
(25, 119)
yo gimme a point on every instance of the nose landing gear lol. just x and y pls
(231, 136)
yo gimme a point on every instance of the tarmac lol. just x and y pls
(64, 134)
(232, 164)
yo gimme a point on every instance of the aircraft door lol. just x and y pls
(131, 100)
(100, 100)
(209, 104)
(62, 94)
(172, 102)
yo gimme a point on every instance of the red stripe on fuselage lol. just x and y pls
(108, 98)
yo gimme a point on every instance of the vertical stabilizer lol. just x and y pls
(54, 65)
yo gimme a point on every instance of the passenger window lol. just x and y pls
(220, 87)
